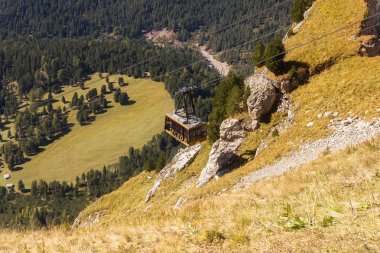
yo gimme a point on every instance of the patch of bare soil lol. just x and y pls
(163, 38)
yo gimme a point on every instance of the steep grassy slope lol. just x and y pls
(328, 16)
(328, 205)
(105, 139)
(331, 204)
(357, 92)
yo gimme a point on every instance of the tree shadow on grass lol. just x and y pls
(250, 152)
(130, 102)
(232, 164)
(17, 168)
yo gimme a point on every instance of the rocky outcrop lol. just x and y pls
(181, 160)
(88, 221)
(223, 153)
(263, 94)
(305, 16)
(300, 24)
(370, 47)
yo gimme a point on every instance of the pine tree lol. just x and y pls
(21, 186)
(160, 164)
(149, 164)
(274, 55)
(110, 86)
(298, 9)
(33, 188)
(50, 107)
(120, 81)
(116, 96)
(226, 92)
(124, 98)
(258, 54)
(79, 116)
(233, 100)
(103, 89)
(74, 101)
(50, 97)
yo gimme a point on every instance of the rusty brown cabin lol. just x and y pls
(189, 132)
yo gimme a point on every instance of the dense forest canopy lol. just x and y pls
(88, 18)
(51, 63)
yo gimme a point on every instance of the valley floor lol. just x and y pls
(105, 139)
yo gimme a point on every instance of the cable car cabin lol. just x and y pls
(187, 129)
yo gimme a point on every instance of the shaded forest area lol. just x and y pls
(229, 22)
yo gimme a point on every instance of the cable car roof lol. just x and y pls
(180, 117)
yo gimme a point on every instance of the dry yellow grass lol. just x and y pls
(104, 140)
(329, 205)
(326, 17)
(344, 186)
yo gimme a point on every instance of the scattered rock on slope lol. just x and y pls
(263, 94)
(223, 152)
(347, 132)
(181, 160)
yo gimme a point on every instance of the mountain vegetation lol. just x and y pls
(330, 204)
(46, 204)
(85, 18)
(227, 101)
(298, 9)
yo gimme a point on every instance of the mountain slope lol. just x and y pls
(329, 204)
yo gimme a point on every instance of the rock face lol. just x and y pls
(181, 160)
(305, 16)
(263, 95)
(223, 152)
(347, 132)
(88, 221)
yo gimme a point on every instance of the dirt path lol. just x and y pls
(222, 67)
(348, 132)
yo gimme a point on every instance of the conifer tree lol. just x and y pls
(103, 89)
(274, 55)
(116, 96)
(225, 103)
(33, 188)
(120, 81)
(74, 101)
(149, 164)
(258, 54)
(123, 98)
(20, 185)
(110, 86)
(298, 9)
(160, 164)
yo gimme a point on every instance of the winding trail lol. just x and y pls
(222, 67)
(347, 133)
